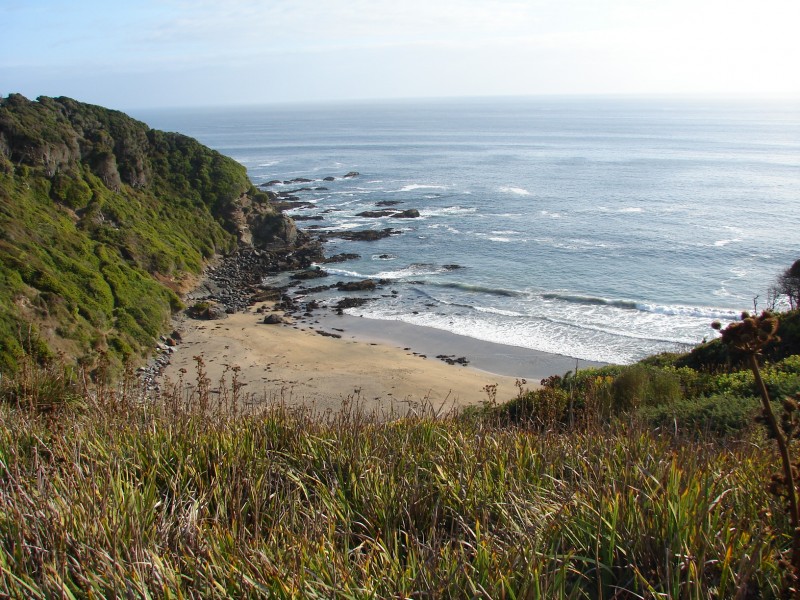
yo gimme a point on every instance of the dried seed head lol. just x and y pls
(750, 334)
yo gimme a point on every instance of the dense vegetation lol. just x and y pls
(708, 390)
(645, 481)
(101, 221)
(108, 497)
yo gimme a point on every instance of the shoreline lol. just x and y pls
(294, 365)
(383, 366)
(489, 357)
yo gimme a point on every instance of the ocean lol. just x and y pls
(595, 228)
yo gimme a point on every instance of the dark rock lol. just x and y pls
(363, 235)
(265, 295)
(338, 258)
(351, 174)
(326, 334)
(388, 203)
(289, 204)
(206, 311)
(236, 282)
(376, 214)
(308, 218)
(411, 213)
(451, 360)
(452, 267)
(310, 274)
(329, 178)
(273, 319)
(273, 182)
(356, 286)
(350, 303)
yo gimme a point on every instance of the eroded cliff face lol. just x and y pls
(60, 136)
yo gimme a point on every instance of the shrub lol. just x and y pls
(40, 388)
(719, 414)
(640, 385)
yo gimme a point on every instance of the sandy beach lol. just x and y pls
(294, 364)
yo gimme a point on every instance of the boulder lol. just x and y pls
(273, 319)
(328, 334)
(411, 213)
(207, 311)
(344, 256)
(376, 214)
(329, 178)
(351, 174)
(349, 303)
(363, 235)
(356, 286)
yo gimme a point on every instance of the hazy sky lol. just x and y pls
(150, 53)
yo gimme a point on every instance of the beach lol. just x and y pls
(383, 366)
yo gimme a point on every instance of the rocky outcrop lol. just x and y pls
(376, 214)
(361, 235)
(411, 213)
(343, 257)
(309, 274)
(365, 285)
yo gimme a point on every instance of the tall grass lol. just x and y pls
(191, 497)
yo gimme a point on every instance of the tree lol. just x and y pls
(789, 284)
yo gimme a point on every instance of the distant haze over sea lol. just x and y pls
(603, 229)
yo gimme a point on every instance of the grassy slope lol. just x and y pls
(100, 219)
(166, 500)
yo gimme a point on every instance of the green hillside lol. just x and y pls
(102, 221)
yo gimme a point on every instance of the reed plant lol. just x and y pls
(206, 492)
(749, 337)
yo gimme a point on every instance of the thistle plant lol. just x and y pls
(749, 336)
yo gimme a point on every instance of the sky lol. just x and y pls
(129, 54)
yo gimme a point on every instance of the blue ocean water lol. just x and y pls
(602, 229)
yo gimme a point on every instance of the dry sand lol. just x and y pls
(294, 364)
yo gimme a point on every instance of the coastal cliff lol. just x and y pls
(104, 222)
